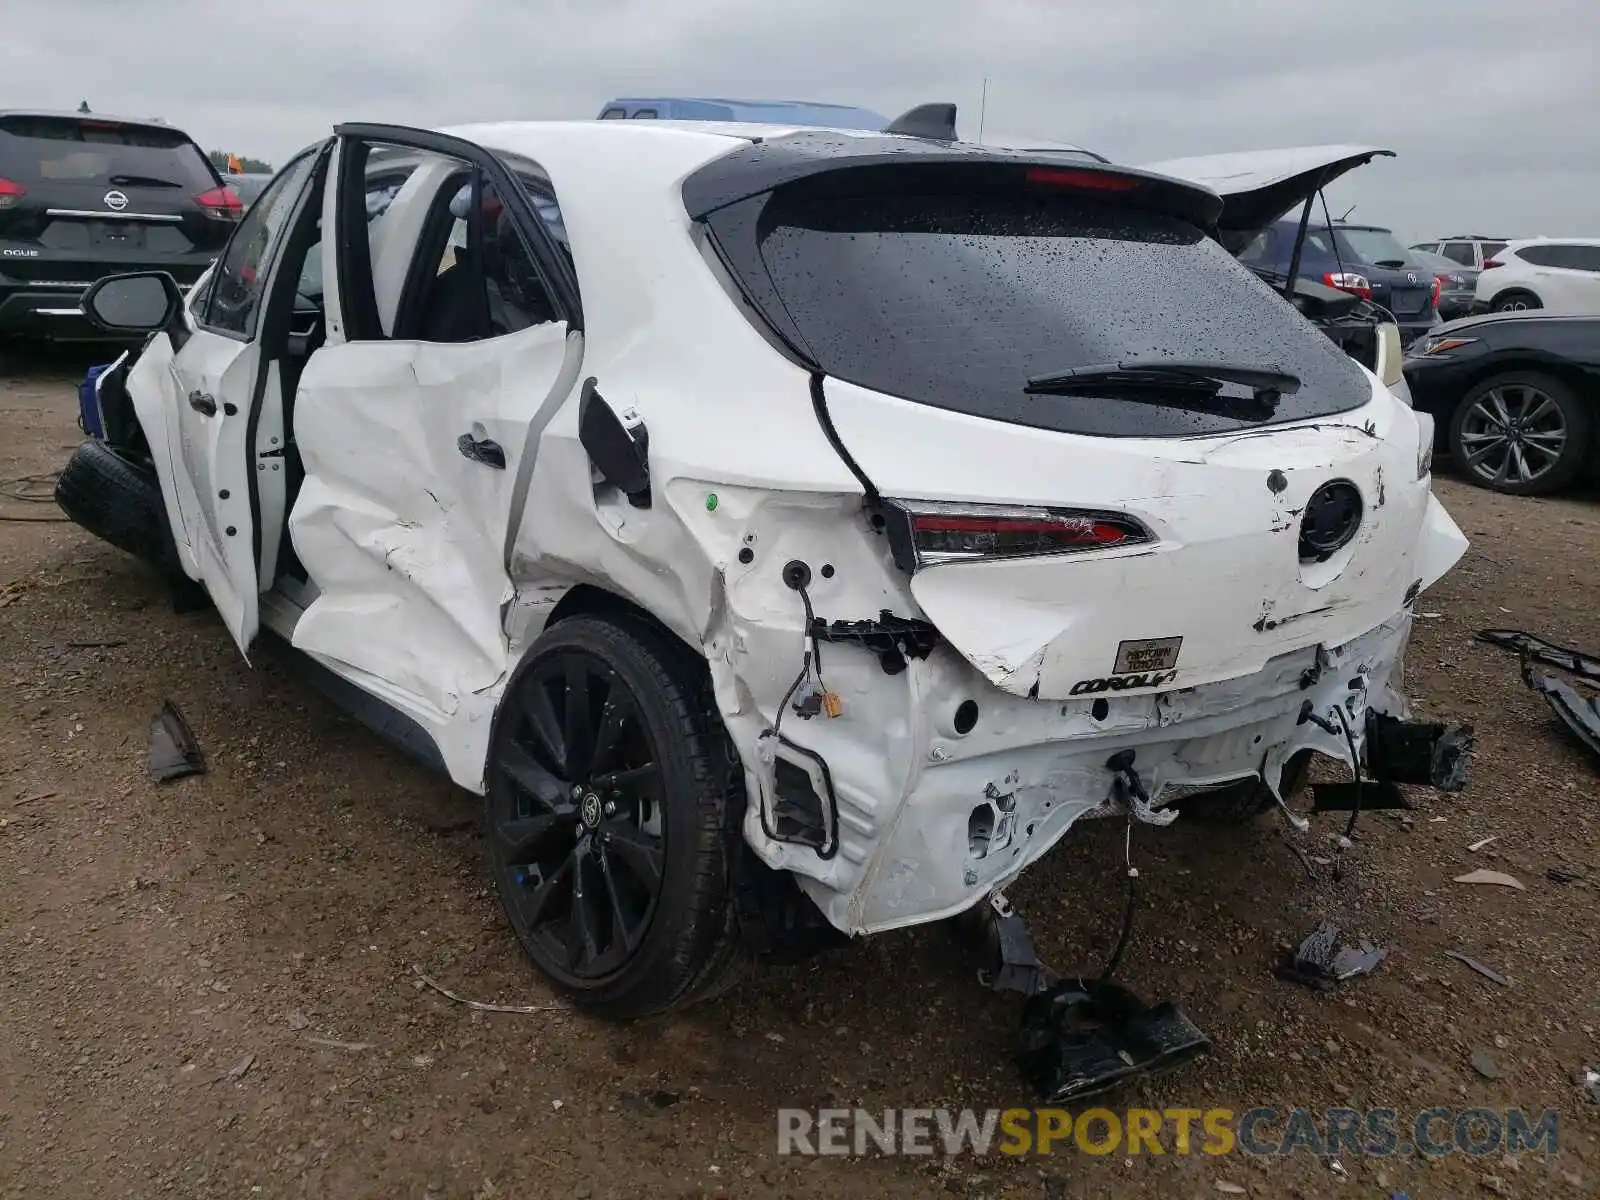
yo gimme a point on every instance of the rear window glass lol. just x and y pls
(62, 150)
(1378, 247)
(955, 301)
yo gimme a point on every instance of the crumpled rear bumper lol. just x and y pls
(971, 811)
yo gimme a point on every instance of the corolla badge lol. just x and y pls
(116, 201)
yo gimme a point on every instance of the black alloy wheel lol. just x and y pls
(608, 819)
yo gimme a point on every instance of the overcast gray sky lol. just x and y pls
(1493, 106)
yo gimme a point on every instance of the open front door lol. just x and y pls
(417, 425)
(218, 378)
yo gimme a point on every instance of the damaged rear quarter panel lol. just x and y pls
(1224, 571)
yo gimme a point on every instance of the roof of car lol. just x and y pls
(1515, 243)
(108, 118)
(738, 103)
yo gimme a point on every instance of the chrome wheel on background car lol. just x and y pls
(607, 804)
(1524, 434)
(1517, 302)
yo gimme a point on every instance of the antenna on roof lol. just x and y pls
(983, 109)
(934, 121)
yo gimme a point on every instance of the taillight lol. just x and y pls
(10, 193)
(1349, 281)
(1438, 286)
(221, 204)
(925, 532)
(1491, 263)
(1098, 180)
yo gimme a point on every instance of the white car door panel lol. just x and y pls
(214, 387)
(402, 534)
(217, 377)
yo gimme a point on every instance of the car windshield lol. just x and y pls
(956, 301)
(101, 153)
(1376, 247)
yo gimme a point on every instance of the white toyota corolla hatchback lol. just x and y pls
(780, 528)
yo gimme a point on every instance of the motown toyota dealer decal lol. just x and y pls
(1143, 663)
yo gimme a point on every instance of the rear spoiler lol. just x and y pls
(852, 164)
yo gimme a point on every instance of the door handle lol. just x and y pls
(203, 404)
(482, 450)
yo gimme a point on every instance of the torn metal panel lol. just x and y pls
(404, 534)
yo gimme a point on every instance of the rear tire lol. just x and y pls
(611, 810)
(1516, 300)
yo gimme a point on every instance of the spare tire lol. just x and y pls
(116, 499)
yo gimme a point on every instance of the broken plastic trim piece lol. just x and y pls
(1579, 713)
(1584, 666)
(893, 639)
(174, 753)
(1324, 960)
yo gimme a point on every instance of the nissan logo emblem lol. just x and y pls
(1332, 516)
(116, 201)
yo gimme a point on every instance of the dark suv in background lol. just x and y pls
(83, 196)
(1367, 260)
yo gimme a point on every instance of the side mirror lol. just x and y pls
(141, 302)
(619, 452)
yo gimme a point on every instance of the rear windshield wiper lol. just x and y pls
(1194, 386)
(1165, 372)
(142, 181)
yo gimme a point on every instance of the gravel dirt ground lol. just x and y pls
(207, 987)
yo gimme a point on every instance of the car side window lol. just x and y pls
(613, 114)
(1490, 249)
(239, 281)
(1460, 252)
(476, 277)
(645, 114)
(1540, 256)
(1584, 258)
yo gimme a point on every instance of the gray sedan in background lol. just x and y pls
(1457, 284)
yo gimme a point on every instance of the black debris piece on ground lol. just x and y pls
(1079, 1041)
(1560, 874)
(1324, 960)
(1424, 753)
(1534, 648)
(1487, 972)
(173, 751)
(1579, 712)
